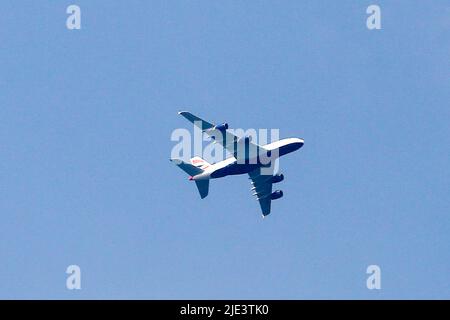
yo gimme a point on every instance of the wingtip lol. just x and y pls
(176, 161)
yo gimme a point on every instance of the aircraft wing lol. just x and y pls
(240, 147)
(262, 189)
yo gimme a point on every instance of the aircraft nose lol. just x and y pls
(299, 143)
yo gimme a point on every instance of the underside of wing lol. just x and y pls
(242, 148)
(202, 124)
(262, 189)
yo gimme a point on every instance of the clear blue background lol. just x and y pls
(85, 124)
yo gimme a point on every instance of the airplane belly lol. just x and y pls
(234, 169)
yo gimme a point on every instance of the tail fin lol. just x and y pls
(198, 165)
(203, 187)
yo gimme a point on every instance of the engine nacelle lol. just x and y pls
(276, 195)
(221, 127)
(277, 178)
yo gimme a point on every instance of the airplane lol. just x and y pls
(246, 158)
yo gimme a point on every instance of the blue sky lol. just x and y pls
(85, 123)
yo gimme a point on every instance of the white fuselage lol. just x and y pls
(231, 166)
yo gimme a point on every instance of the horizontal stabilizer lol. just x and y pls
(187, 167)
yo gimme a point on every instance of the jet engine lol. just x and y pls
(276, 195)
(221, 127)
(277, 178)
